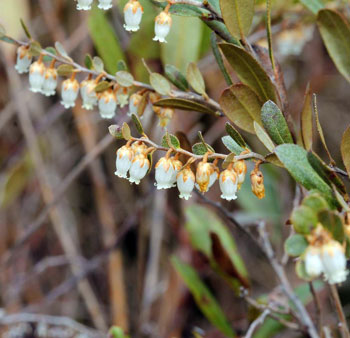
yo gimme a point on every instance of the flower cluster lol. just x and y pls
(133, 12)
(44, 79)
(325, 255)
(132, 159)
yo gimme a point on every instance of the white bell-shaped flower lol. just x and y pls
(88, 94)
(132, 15)
(122, 96)
(84, 5)
(50, 82)
(24, 60)
(134, 102)
(107, 104)
(70, 91)
(185, 183)
(139, 148)
(313, 262)
(164, 173)
(124, 159)
(228, 184)
(37, 76)
(334, 262)
(162, 26)
(139, 167)
(105, 4)
(177, 164)
(203, 174)
(240, 168)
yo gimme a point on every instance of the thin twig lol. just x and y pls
(258, 321)
(301, 312)
(319, 320)
(343, 324)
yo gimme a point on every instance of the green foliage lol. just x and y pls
(105, 39)
(263, 137)
(126, 131)
(249, 71)
(313, 5)
(159, 83)
(241, 106)
(304, 219)
(237, 137)
(201, 148)
(203, 297)
(124, 78)
(275, 123)
(176, 77)
(333, 223)
(238, 16)
(184, 104)
(345, 149)
(335, 32)
(117, 332)
(195, 78)
(295, 245)
(306, 124)
(232, 145)
(172, 139)
(137, 124)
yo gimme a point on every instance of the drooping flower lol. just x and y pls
(84, 5)
(122, 96)
(165, 115)
(50, 81)
(124, 159)
(107, 104)
(162, 26)
(132, 15)
(134, 102)
(313, 262)
(37, 76)
(164, 173)
(139, 167)
(139, 148)
(203, 173)
(105, 4)
(24, 60)
(185, 183)
(228, 182)
(240, 168)
(257, 181)
(70, 91)
(88, 94)
(334, 262)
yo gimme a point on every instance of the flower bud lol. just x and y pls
(164, 173)
(24, 59)
(134, 102)
(139, 148)
(228, 182)
(84, 5)
(124, 159)
(162, 26)
(50, 82)
(165, 115)
(257, 181)
(132, 15)
(88, 94)
(139, 167)
(203, 173)
(313, 262)
(185, 183)
(37, 76)
(240, 168)
(213, 176)
(70, 90)
(105, 4)
(107, 104)
(334, 262)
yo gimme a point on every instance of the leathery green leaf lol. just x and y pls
(184, 104)
(241, 106)
(275, 123)
(294, 158)
(313, 5)
(306, 120)
(263, 137)
(249, 71)
(304, 219)
(335, 32)
(104, 39)
(295, 245)
(333, 223)
(203, 297)
(238, 16)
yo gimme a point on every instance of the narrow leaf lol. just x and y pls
(345, 149)
(335, 32)
(306, 120)
(203, 297)
(137, 124)
(195, 78)
(263, 137)
(184, 104)
(238, 16)
(313, 5)
(232, 145)
(235, 135)
(275, 123)
(249, 71)
(176, 77)
(88, 61)
(25, 28)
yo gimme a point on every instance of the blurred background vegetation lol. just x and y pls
(101, 254)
